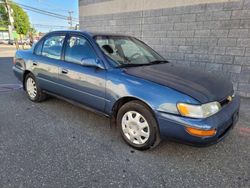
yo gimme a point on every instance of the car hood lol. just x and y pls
(201, 86)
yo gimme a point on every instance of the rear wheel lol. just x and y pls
(33, 90)
(137, 125)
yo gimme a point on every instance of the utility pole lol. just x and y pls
(70, 20)
(11, 20)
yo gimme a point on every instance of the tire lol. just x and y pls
(137, 125)
(35, 95)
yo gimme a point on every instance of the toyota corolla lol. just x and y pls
(146, 96)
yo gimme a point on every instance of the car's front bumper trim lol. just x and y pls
(174, 127)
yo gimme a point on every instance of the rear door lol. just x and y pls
(85, 84)
(47, 60)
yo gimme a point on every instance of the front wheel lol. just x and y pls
(137, 125)
(33, 90)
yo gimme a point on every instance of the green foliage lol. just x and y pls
(4, 22)
(32, 31)
(21, 20)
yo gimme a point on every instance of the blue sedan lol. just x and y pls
(148, 97)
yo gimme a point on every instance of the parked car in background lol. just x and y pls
(4, 41)
(121, 77)
(11, 42)
(24, 41)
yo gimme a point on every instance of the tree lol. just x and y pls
(32, 32)
(4, 21)
(21, 20)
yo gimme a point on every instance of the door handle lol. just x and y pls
(64, 71)
(34, 63)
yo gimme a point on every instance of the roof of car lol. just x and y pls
(89, 33)
(106, 34)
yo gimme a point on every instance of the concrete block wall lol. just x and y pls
(212, 37)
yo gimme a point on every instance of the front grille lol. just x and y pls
(224, 102)
(227, 99)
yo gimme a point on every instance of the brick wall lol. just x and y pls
(88, 2)
(209, 37)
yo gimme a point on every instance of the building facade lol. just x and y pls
(209, 35)
(4, 34)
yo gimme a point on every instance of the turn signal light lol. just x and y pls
(200, 132)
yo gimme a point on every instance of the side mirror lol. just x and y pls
(89, 62)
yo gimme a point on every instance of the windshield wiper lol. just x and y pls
(131, 65)
(143, 64)
(158, 62)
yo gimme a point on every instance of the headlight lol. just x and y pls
(198, 111)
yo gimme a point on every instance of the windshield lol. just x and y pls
(128, 51)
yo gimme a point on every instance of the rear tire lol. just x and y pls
(32, 89)
(137, 125)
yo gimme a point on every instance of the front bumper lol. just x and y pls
(173, 126)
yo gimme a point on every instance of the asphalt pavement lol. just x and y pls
(56, 144)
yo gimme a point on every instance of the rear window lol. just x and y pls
(52, 46)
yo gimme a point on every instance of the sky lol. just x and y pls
(56, 6)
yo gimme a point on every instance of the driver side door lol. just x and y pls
(84, 84)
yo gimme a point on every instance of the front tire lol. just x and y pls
(137, 125)
(33, 90)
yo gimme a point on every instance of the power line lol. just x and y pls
(69, 18)
(50, 5)
(47, 12)
(56, 10)
(44, 12)
(60, 10)
(50, 26)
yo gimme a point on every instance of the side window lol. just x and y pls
(38, 48)
(52, 46)
(78, 49)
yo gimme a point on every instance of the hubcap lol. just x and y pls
(31, 87)
(135, 127)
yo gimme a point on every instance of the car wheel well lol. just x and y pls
(118, 104)
(24, 76)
